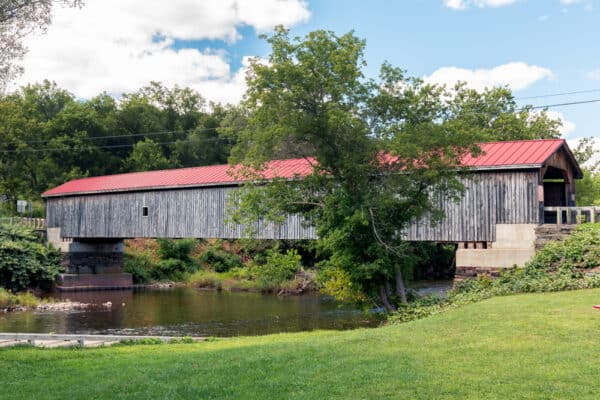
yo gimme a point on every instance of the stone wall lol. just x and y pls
(92, 262)
(463, 273)
(549, 233)
(68, 282)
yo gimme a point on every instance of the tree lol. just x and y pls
(147, 155)
(311, 99)
(496, 116)
(588, 156)
(382, 150)
(18, 18)
(24, 119)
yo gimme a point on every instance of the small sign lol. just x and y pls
(23, 206)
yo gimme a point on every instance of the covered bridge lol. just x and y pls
(510, 183)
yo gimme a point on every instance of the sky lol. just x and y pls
(536, 47)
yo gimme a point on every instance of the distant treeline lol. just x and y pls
(48, 136)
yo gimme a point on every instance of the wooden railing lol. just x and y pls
(573, 215)
(35, 223)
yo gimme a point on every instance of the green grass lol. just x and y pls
(532, 346)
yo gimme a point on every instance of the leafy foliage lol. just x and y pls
(175, 259)
(220, 260)
(384, 151)
(278, 269)
(48, 136)
(139, 265)
(560, 265)
(25, 299)
(25, 262)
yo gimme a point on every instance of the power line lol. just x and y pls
(561, 104)
(124, 136)
(225, 139)
(558, 94)
(116, 146)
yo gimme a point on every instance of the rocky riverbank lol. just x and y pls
(64, 306)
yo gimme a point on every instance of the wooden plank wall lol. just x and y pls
(508, 197)
(490, 198)
(196, 213)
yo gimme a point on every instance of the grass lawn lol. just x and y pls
(535, 346)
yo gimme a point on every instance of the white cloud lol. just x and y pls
(594, 75)
(515, 75)
(463, 4)
(588, 4)
(567, 128)
(120, 45)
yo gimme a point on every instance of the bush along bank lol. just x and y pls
(25, 261)
(264, 266)
(570, 264)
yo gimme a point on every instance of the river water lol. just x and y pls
(190, 312)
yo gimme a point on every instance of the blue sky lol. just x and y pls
(536, 47)
(424, 35)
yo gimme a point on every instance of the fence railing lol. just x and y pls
(571, 215)
(35, 223)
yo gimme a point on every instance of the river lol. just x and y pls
(190, 312)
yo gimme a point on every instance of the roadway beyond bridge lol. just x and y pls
(511, 189)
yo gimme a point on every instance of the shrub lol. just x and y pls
(180, 249)
(26, 299)
(336, 283)
(170, 268)
(278, 269)
(207, 279)
(140, 266)
(25, 261)
(220, 260)
(559, 266)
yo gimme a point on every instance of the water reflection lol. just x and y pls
(186, 311)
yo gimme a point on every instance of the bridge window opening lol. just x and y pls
(144, 211)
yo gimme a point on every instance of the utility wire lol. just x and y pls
(558, 94)
(125, 136)
(116, 146)
(561, 104)
(225, 139)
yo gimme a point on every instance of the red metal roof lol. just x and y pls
(513, 154)
(212, 175)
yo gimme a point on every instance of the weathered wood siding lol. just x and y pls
(507, 197)
(490, 198)
(197, 213)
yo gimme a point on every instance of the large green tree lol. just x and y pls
(382, 150)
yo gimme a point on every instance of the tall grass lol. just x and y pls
(25, 299)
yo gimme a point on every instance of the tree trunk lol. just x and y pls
(385, 300)
(388, 289)
(400, 289)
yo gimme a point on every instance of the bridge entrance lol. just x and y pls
(556, 191)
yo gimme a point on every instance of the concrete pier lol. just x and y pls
(90, 264)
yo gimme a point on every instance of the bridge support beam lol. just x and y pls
(514, 245)
(90, 263)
